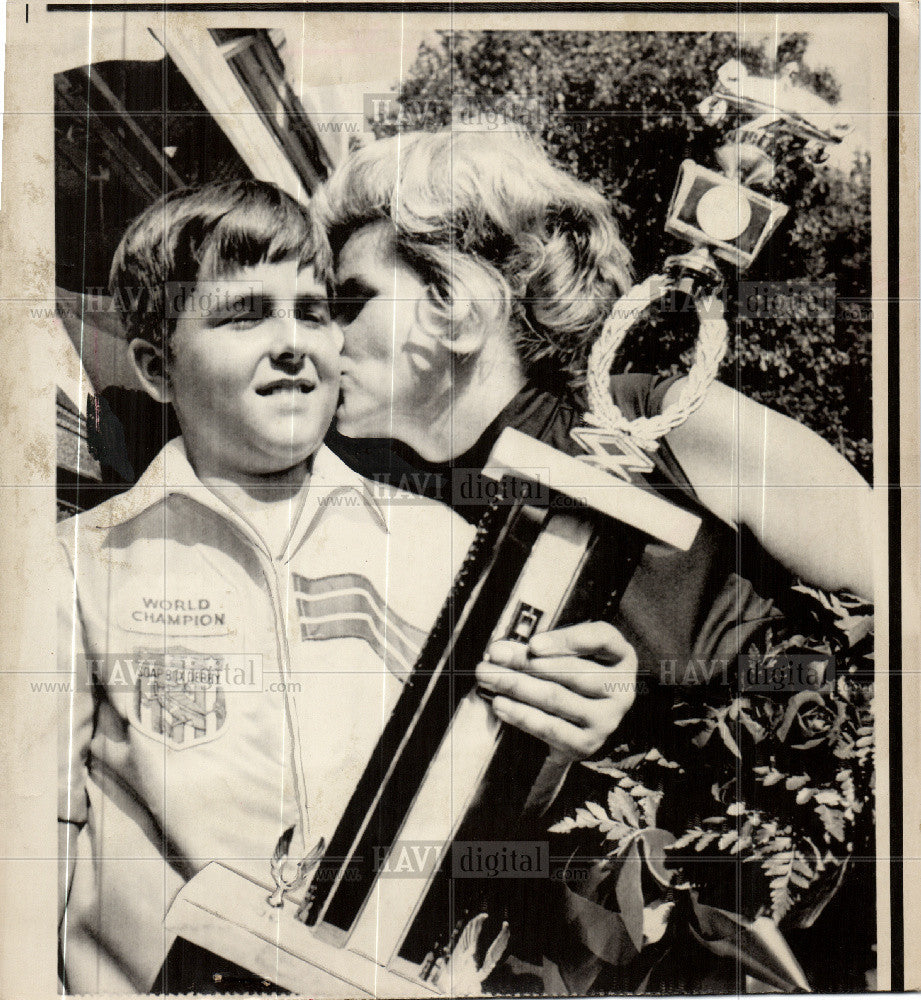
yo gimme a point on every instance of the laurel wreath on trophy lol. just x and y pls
(646, 432)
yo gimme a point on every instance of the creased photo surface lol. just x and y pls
(463, 482)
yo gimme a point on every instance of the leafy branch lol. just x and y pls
(790, 774)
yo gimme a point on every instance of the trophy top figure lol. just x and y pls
(720, 211)
(800, 110)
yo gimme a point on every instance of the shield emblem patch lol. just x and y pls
(179, 698)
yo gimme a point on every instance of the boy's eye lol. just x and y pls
(240, 321)
(240, 314)
(312, 312)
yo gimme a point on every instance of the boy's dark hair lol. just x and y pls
(200, 234)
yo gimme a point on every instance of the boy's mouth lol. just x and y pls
(297, 385)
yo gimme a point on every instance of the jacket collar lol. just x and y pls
(171, 474)
(331, 476)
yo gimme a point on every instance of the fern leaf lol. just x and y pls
(833, 821)
(706, 839)
(585, 819)
(779, 869)
(686, 840)
(621, 807)
(597, 811)
(801, 867)
(728, 838)
(620, 834)
(742, 844)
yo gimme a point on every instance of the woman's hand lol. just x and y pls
(570, 687)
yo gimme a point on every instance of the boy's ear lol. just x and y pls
(150, 367)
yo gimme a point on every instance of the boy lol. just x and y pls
(238, 624)
(246, 548)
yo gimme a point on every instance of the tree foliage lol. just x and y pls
(619, 111)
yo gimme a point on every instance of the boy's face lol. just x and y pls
(254, 373)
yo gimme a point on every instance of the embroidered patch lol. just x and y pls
(179, 697)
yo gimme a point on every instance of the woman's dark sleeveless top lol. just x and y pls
(688, 614)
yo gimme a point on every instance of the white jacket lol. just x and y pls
(238, 691)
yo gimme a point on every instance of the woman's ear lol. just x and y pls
(468, 332)
(150, 367)
(460, 330)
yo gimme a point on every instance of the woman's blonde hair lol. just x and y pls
(502, 237)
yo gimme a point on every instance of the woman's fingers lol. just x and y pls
(570, 687)
(571, 740)
(598, 641)
(591, 680)
(546, 695)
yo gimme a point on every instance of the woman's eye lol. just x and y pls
(346, 310)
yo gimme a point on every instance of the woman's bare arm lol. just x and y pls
(804, 502)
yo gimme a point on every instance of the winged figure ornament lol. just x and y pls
(287, 874)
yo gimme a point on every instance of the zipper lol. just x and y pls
(291, 717)
(269, 567)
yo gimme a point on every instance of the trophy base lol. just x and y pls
(229, 915)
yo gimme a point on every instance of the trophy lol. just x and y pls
(723, 217)
(445, 772)
(721, 210)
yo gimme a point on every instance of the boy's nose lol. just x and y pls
(289, 361)
(294, 342)
(289, 341)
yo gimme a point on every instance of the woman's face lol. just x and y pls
(391, 367)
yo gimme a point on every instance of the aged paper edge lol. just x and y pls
(28, 845)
